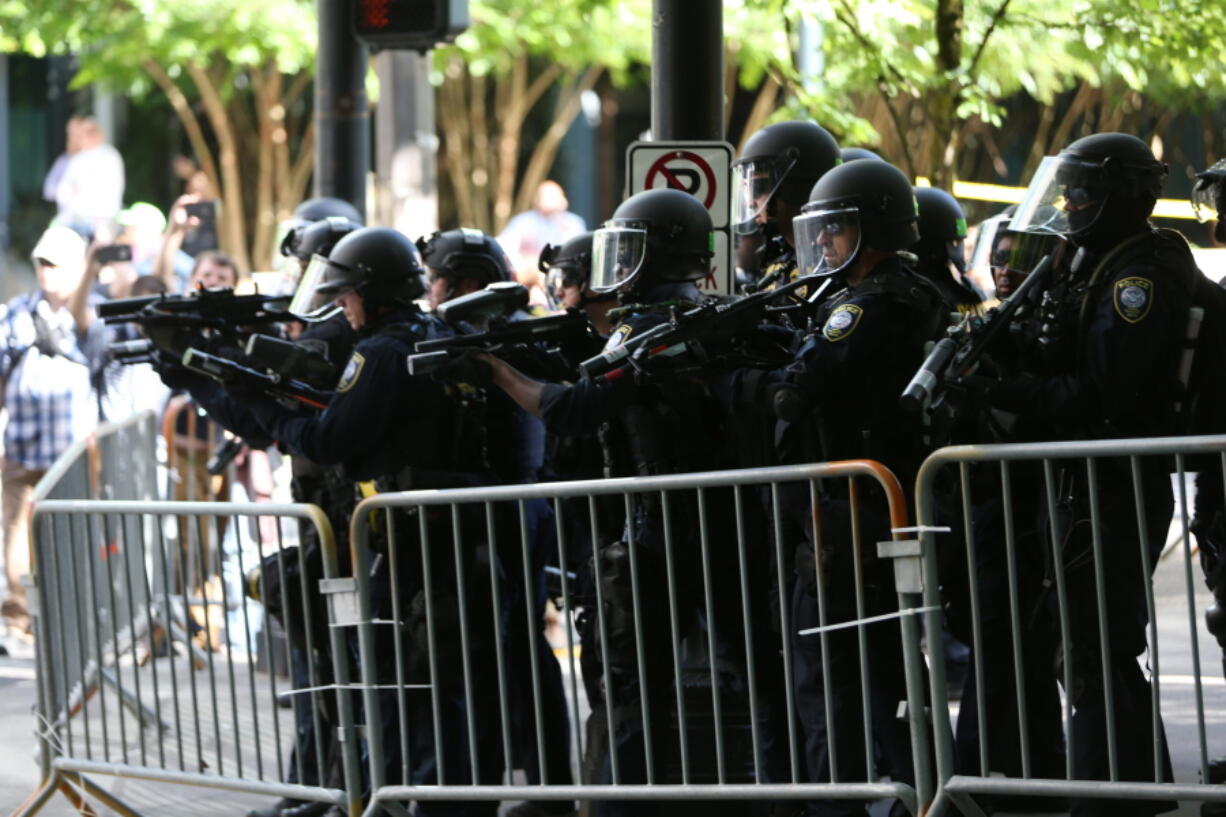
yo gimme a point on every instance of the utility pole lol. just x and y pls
(342, 111)
(687, 76)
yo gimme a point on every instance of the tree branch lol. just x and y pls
(997, 16)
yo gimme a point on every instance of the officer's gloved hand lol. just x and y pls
(467, 368)
(245, 392)
(178, 377)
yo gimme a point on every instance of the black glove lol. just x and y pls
(466, 368)
(177, 377)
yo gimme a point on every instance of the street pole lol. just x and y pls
(687, 76)
(342, 111)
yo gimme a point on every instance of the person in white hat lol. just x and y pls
(46, 350)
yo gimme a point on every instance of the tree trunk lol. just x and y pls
(943, 107)
(191, 125)
(233, 231)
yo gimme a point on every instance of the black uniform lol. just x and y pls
(840, 401)
(665, 425)
(372, 428)
(1112, 373)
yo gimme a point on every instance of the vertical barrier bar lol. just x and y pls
(1155, 721)
(1100, 592)
(644, 696)
(870, 766)
(674, 630)
(567, 611)
(431, 646)
(709, 606)
(160, 521)
(504, 715)
(398, 648)
(1193, 632)
(225, 633)
(602, 627)
(1015, 616)
(107, 555)
(972, 573)
(255, 708)
(534, 626)
(746, 617)
(457, 543)
(785, 624)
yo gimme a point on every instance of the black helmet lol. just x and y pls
(872, 203)
(569, 264)
(852, 154)
(317, 237)
(783, 159)
(322, 207)
(942, 227)
(465, 253)
(653, 236)
(1107, 179)
(379, 263)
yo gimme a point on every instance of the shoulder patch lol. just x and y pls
(842, 322)
(618, 337)
(1133, 297)
(353, 370)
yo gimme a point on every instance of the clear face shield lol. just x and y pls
(307, 304)
(1209, 193)
(754, 183)
(618, 253)
(1065, 196)
(827, 241)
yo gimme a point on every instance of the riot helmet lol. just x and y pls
(316, 237)
(568, 264)
(379, 263)
(322, 207)
(653, 236)
(942, 228)
(855, 205)
(852, 154)
(1097, 190)
(782, 160)
(1209, 198)
(465, 253)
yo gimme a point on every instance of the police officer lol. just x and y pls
(838, 400)
(458, 262)
(568, 272)
(942, 245)
(651, 253)
(461, 261)
(375, 275)
(771, 180)
(1108, 368)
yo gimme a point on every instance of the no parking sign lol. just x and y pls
(701, 169)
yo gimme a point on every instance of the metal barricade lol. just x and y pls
(680, 652)
(108, 581)
(1046, 559)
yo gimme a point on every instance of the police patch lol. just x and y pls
(1133, 298)
(353, 370)
(618, 337)
(842, 322)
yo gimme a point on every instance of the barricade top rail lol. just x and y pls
(165, 508)
(69, 459)
(1149, 446)
(633, 485)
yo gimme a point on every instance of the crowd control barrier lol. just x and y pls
(673, 682)
(128, 689)
(1043, 557)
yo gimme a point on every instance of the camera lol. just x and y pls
(113, 253)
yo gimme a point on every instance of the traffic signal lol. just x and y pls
(408, 24)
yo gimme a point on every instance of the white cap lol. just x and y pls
(60, 246)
